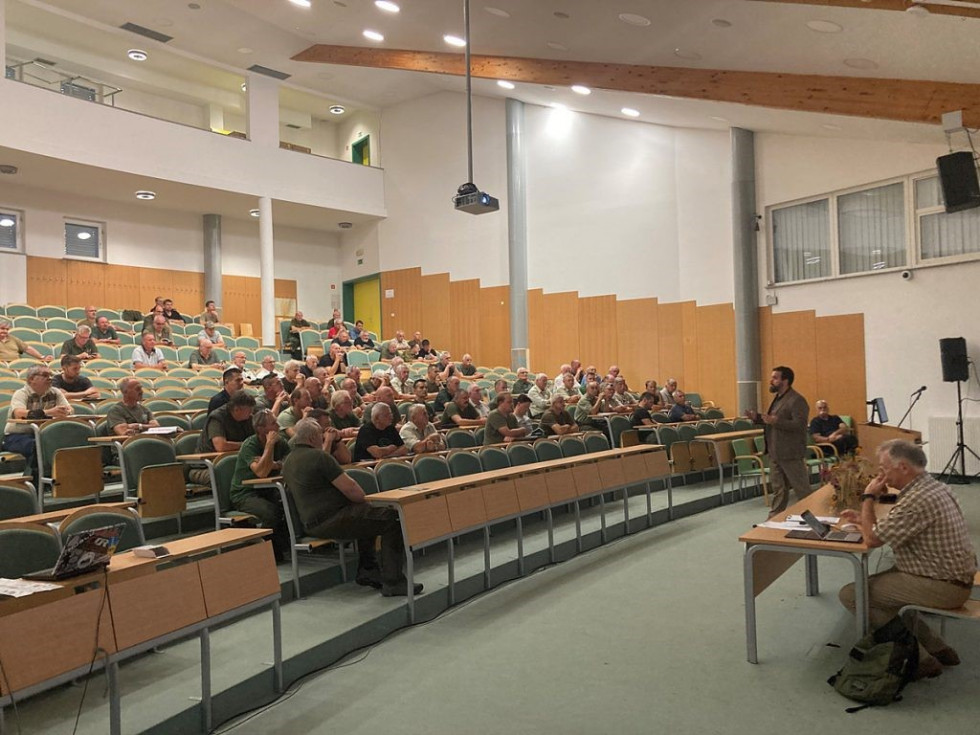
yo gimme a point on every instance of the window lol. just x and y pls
(801, 241)
(871, 229)
(943, 235)
(84, 240)
(10, 231)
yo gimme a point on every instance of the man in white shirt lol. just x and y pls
(540, 395)
(148, 355)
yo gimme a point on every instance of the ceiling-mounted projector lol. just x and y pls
(470, 199)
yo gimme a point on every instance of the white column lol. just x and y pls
(216, 117)
(3, 34)
(267, 274)
(263, 110)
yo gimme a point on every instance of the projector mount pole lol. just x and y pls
(469, 94)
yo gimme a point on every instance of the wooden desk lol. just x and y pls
(724, 454)
(57, 516)
(871, 436)
(769, 553)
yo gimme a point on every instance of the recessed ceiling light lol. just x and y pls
(824, 26)
(254, 213)
(373, 35)
(194, 6)
(244, 50)
(505, 84)
(557, 46)
(549, 88)
(387, 6)
(83, 235)
(302, 3)
(454, 40)
(718, 118)
(920, 11)
(6, 222)
(345, 225)
(497, 11)
(581, 89)
(136, 54)
(560, 15)
(337, 109)
(689, 55)
(146, 196)
(830, 126)
(721, 23)
(630, 112)
(634, 20)
(244, 87)
(559, 106)
(7, 169)
(859, 63)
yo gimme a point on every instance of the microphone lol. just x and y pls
(919, 392)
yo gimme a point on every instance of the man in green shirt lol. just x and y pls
(81, 344)
(556, 420)
(461, 413)
(261, 455)
(331, 505)
(501, 423)
(203, 356)
(342, 415)
(130, 416)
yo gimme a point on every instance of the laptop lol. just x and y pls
(83, 552)
(823, 532)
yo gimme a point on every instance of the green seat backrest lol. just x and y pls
(394, 475)
(460, 439)
(743, 424)
(667, 435)
(132, 534)
(521, 454)
(694, 399)
(706, 428)
(62, 435)
(143, 452)
(16, 502)
(596, 442)
(547, 450)
(572, 447)
(364, 477)
(494, 458)
(686, 432)
(464, 463)
(23, 551)
(187, 442)
(431, 469)
(224, 471)
(617, 425)
(723, 427)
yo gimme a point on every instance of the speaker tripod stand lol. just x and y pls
(950, 474)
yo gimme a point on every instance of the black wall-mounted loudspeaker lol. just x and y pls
(958, 176)
(952, 351)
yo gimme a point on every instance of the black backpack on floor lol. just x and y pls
(878, 666)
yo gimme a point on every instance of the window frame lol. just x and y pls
(18, 215)
(82, 222)
(918, 214)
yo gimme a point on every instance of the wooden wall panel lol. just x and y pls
(794, 344)
(841, 376)
(716, 356)
(435, 324)
(689, 342)
(47, 281)
(464, 318)
(86, 283)
(638, 341)
(286, 289)
(188, 293)
(598, 335)
(561, 330)
(494, 346)
(536, 325)
(154, 282)
(253, 303)
(671, 340)
(234, 302)
(404, 309)
(122, 288)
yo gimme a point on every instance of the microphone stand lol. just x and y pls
(918, 395)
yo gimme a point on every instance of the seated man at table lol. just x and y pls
(349, 385)
(224, 431)
(641, 415)
(299, 408)
(211, 332)
(568, 389)
(402, 384)
(468, 369)
(12, 347)
(540, 395)
(461, 413)
(273, 396)
(231, 380)
(621, 394)
(420, 397)
(828, 428)
(129, 416)
(91, 317)
(522, 412)
(446, 395)
(342, 414)
(419, 435)
(384, 395)
(588, 406)
(103, 333)
(681, 411)
(333, 443)
(667, 392)
(502, 426)
(378, 438)
(262, 455)
(476, 400)
(556, 420)
(268, 368)
(72, 383)
(81, 344)
(317, 398)
(203, 356)
(171, 313)
(147, 355)
(331, 505)
(37, 399)
(160, 330)
(521, 384)
(935, 561)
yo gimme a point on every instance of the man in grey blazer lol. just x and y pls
(785, 429)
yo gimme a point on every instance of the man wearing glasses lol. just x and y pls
(36, 400)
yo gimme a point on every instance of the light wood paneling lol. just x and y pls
(154, 282)
(841, 377)
(598, 342)
(435, 325)
(464, 310)
(494, 326)
(47, 281)
(689, 342)
(188, 293)
(122, 287)
(561, 328)
(234, 297)
(671, 339)
(638, 341)
(536, 325)
(794, 344)
(716, 356)
(285, 289)
(86, 283)
(404, 309)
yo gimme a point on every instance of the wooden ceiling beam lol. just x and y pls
(896, 5)
(906, 100)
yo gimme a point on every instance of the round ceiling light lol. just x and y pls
(83, 236)
(387, 6)
(630, 112)
(337, 109)
(345, 225)
(373, 35)
(254, 213)
(504, 84)
(557, 46)
(581, 89)
(497, 11)
(454, 40)
(688, 55)
(721, 23)
(302, 3)
(634, 20)
(137, 54)
(859, 63)
(824, 26)
(145, 195)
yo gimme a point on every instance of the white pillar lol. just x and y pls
(263, 110)
(216, 117)
(3, 34)
(267, 274)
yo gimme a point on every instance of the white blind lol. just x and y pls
(942, 235)
(801, 241)
(83, 241)
(8, 231)
(871, 229)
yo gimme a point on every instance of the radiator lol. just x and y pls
(942, 442)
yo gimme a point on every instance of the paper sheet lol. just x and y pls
(24, 587)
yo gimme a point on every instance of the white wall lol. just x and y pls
(185, 113)
(351, 128)
(903, 320)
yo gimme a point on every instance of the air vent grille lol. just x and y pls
(146, 32)
(258, 69)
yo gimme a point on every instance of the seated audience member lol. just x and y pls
(522, 407)
(148, 355)
(641, 414)
(393, 368)
(103, 333)
(228, 426)
(460, 413)
(613, 372)
(590, 375)
(238, 360)
(335, 326)
(333, 444)
(540, 395)
(231, 381)
(578, 372)
(621, 395)
(80, 344)
(419, 435)
(292, 378)
(334, 360)
(262, 455)
(311, 363)
(667, 392)
(433, 384)
(72, 383)
(402, 384)
(426, 352)
(354, 373)
(157, 305)
(397, 345)
(651, 387)
(384, 395)
(91, 317)
(468, 369)
(607, 400)
(203, 356)
(378, 438)
(476, 400)
(445, 366)
(299, 408)
(333, 321)
(363, 341)
(149, 319)
(171, 313)
(680, 411)
(358, 328)
(568, 389)
(331, 505)
(829, 429)
(129, 416)
(349, 385)
(294, 343)
(557, 420)
(522, 384)
(13, 347)
(502, 425)
(317, 398)
(934, 557)
(421, 397)
(558, 380)
(587, 407)
(210, 313)
(160, 330)
(342, 414)
(446, 395)
(268, 368)
(211, 332)
(500, 386)
(415, 342)
(377, 380)
(273, 397)
(36, 399)
(342, 340)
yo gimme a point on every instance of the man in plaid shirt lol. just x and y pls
(934, 557)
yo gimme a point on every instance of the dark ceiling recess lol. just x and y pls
(147, 32)
(258, 69)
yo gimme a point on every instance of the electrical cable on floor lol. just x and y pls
(96, 648)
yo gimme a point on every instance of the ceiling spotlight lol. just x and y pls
(505, 84)
(373, 35)
(345, 225)
(630, 112)
(685, 54)
(137, 55)
(581, 89)
(824, 26)
(302, 3)
(7, 169)
(146, 195)
(254, 213)
(387, 6)
(721, 23)
(497, 11)
(84, 235)
(634, 20)
(337, 109)
(454, 40)
(6, 222)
